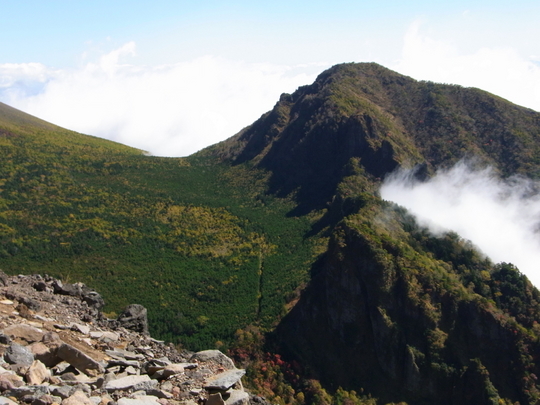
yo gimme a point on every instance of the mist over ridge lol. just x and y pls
(499, 216)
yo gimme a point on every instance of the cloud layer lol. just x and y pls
(501, 217)
(170, 110)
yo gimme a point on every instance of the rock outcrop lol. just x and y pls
(373, 319)
(57, 348)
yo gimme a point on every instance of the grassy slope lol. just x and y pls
(196, 242)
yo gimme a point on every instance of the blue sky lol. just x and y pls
(172, 77)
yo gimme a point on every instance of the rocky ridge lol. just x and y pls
(56, 347)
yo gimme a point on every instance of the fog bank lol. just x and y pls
(500, 216)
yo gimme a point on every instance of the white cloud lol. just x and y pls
(501, 217)
(168, 110)
(499, 70)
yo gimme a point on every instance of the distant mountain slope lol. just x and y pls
(15, 124)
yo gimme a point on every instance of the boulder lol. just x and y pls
(214, 355)
(140, 400)
(237, 397)
(46, 400)
(135, 318)
(80, 360)
(17, 354)
(23, 331)
(92, 298)
(3, 278)
(5, 384)
(225, 380)
(215, 399)
(84, 329)
(48, 355)
(125, 383)
(78, 398)
(37, 373)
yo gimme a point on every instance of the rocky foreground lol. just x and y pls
(57, 348)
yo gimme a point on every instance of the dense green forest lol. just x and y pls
(198, 243)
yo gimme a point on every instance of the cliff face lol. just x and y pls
(400, 325)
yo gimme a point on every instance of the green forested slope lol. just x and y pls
(197, 243)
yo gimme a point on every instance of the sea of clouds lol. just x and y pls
(168, 110)
(500, 216)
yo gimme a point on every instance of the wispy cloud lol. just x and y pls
(500, 216)
(168, 110)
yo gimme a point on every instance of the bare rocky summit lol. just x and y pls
(56, 347)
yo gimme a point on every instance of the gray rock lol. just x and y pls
(62, 391)
(26, 332)
(237, 397)
(146, 386)
(40, 286)
(46, 400)
(6, 401)
(135, 318)
(123, 363)
(140, 400)
(92, 298)
(34, 391)
(125, 383)
(213, 355)
(215, 399)
(104, 336)
(28, 302)
(150, 367)
(17, 354)
(3, 278)
(159, 393)
(120, 354)
(225, 380)
(79, 360)
(84, 329)
(4, 339)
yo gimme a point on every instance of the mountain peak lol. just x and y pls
(368, 112)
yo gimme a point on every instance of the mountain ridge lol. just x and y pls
(385, 119)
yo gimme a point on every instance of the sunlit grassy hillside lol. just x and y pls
(197, 242)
